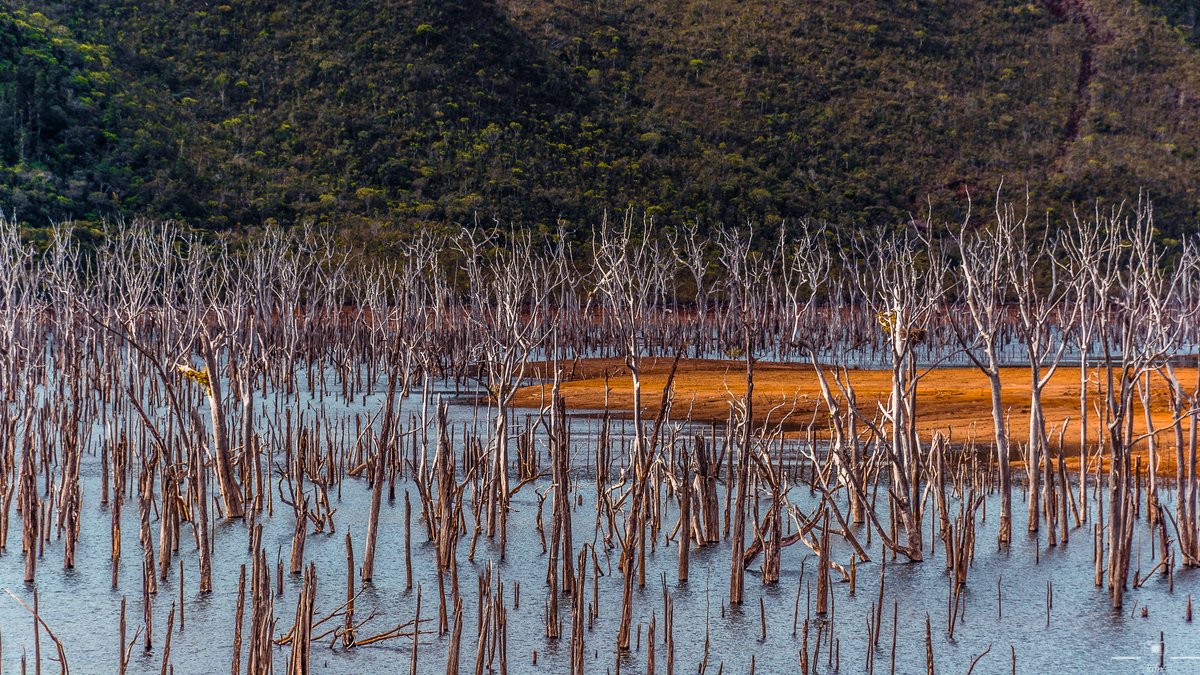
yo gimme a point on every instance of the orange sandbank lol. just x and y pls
(955, 401)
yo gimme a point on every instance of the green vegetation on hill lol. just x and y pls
(1183, 15)
(69, 145)
(374, 116)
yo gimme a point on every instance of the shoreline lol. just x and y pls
(954, 400)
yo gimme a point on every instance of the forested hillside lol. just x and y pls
(377, 116)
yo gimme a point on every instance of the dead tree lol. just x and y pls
(1132, 343)
(625, 264)
(1035, 276)
(814, 298)
(984, 287)
(1092, 259)
(505, 310)
(900, 280)
(747, 274)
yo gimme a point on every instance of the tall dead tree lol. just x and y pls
(625, 264)
(747, 274)
(1039, 293)
(506, 306)
(901, 281)
(980, 325)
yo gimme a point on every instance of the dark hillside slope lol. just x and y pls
(384, 114)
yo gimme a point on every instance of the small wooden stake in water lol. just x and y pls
(762, 613)
(895, 613)
(928, 646)
(166, 659)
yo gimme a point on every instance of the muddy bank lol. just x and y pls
(955, 401)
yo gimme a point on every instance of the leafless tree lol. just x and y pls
(1039, 296)
(629, 280)
(506, 310)
(980, 325)
(901, 279)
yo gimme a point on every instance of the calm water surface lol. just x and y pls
(1084, 634)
